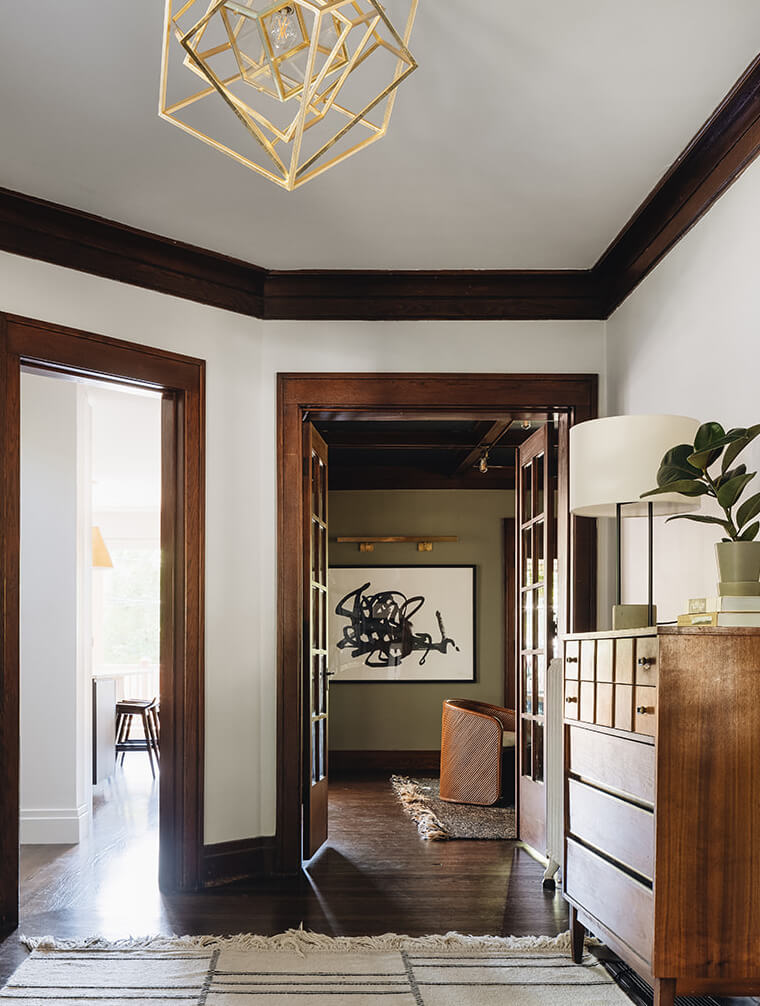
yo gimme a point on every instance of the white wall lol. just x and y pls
(243, 357)
(55, 796)
(687, 341)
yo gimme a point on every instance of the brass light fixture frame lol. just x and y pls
(313, 98)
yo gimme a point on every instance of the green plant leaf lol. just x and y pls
(750, 508)
(675, 467)
(730, 491)
(700, 519)
(687, 487)
(734, 449)
(707, 436)
(727, 476)
(749, 533)
(703, 459)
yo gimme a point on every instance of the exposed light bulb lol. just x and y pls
(525, 424)
(282, 28)
(483, 466)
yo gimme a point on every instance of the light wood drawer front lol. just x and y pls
(618, 828)
(646, 660)
(624, 707)
(572, 658)
(604, 664)
(587, 701)
(604, 703)
(621, 764)
(618, 901)
(645, 709)
(624, 661)
(588, 659)
(571, 700)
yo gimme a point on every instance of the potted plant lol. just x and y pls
(708, 468)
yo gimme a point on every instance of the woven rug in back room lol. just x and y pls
(438, 820)
(298, 968)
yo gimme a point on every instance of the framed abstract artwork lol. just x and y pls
(402, 623)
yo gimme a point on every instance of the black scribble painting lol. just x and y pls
(381, 628)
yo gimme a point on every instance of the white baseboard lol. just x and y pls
(54, 826)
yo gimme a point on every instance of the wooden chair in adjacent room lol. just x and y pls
(477, 752)
(147, 711)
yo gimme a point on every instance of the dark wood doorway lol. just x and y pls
(181, 381)
(310, 397)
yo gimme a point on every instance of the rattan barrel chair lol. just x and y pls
(477, 752)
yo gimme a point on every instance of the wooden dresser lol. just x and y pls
(662, 803)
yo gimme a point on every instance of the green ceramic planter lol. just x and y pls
(738, 560)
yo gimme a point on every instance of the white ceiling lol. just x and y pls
(530, 133)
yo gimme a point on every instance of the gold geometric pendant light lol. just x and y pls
(303, 84)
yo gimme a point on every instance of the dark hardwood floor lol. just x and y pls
(375, 875)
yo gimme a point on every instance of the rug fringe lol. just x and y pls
(301, 940)
(414, 802)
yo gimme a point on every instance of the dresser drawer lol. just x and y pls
(604, 700)
(624, 660)
(588, 659)
(623, 707)
(646, 660)
(587, 701)
(619, 902)
(621, 764)
(604, 660)
(646, 709)
(621, 830)
(571, 700)
(572, 658)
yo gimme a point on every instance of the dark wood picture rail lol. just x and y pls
(726, 144)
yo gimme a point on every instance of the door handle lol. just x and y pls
(330, 674)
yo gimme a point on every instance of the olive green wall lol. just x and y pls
(387, 716)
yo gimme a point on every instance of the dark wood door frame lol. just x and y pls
(392, 396)
(182, 381)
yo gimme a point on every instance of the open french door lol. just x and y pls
(537, 622)
(315, 671)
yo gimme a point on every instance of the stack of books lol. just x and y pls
(723, 610)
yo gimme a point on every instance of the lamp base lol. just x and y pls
(632, 616)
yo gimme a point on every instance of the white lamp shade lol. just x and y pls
(615, 460)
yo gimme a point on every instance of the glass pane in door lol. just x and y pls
(527, 493)
(527, 747)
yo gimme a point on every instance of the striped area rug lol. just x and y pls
(298, 968)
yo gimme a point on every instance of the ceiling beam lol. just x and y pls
(494, 434)
(403, 477)
(413, 440)
(727, 143)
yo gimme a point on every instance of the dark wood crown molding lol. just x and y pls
(726, 144)
(427, 295)
(68, 237)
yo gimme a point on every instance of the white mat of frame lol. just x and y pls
(299, 968)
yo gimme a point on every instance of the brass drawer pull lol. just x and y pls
(571, 698)
(646, 661)
(648, 710)
(571, 660)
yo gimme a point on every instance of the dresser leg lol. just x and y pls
(664, 991)
(578, 934)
